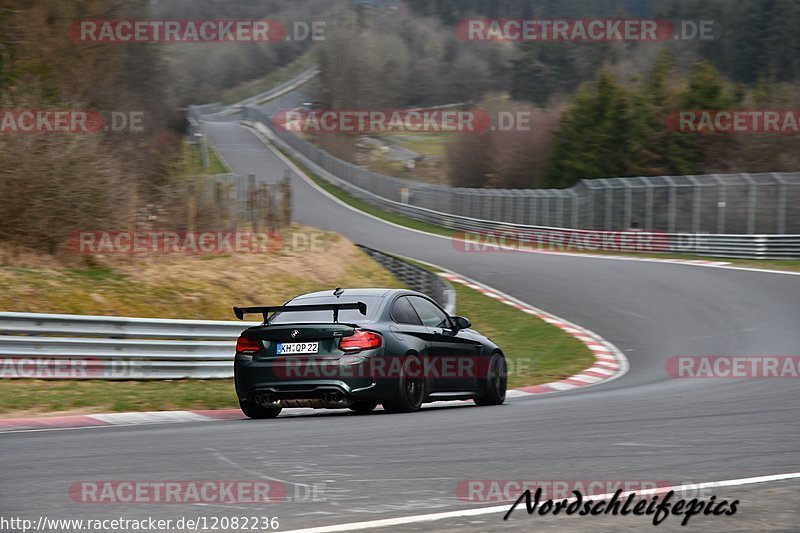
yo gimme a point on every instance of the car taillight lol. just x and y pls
(360, 340)
(247, 346)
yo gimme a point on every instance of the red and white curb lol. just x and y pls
(609, 361)
(116, 419)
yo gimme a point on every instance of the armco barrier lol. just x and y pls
(417, 278)
(723, 215)
(58, 346)
(749, 246)
(41, 324)
(766, 203)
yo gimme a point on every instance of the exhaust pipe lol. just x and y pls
(263, 399)
(331, 397)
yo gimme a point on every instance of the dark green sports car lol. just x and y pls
(357, 348)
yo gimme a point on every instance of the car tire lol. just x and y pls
(252, 410)
(363, 408)
(410, 394)
(496, 382)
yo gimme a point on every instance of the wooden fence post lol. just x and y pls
(286, 200)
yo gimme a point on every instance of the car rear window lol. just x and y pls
(345, 315)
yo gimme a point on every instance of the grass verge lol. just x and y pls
(193, 162)
(189, 285)
(536, 351)
(25, 397)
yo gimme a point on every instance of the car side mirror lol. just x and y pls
(460, 322)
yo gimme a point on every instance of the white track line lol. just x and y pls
(478, 511)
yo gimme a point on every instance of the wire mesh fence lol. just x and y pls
(715, 204)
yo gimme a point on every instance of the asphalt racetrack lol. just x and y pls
(642, 426)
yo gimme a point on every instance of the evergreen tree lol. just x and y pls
(594, 139)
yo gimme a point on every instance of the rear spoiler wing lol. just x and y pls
(266, 310)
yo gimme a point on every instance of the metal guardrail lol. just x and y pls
(283, 88)
(216, 111)
(416, 278)
(59, 346)
(389, 197)
(767, 203)
(42, 324)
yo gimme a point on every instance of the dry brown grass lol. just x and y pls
(184, 286)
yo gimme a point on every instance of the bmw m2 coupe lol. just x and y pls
(357, 348)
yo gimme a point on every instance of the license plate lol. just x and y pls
(296, 348)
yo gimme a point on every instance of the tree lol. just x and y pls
(657, 149)
(594, 139)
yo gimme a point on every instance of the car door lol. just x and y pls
(454, 355)
(408, 328)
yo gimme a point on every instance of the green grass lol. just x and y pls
(194, 161)
(188, 286)
(30, 397)
(428, 144)
(536, 351)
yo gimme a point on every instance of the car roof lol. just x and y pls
(357, 292)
